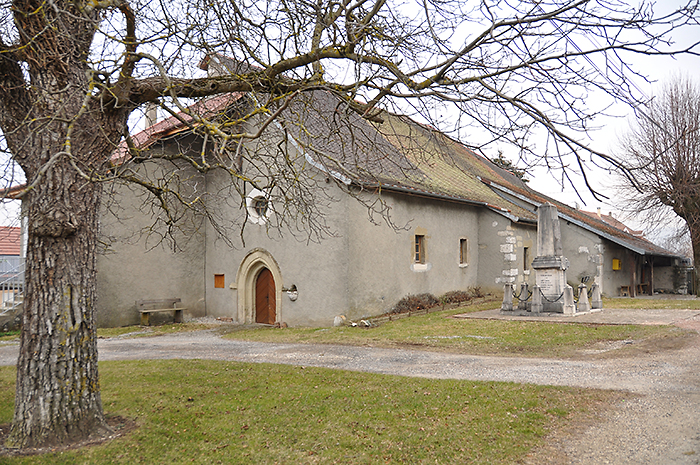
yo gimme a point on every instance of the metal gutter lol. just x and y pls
(432, 195)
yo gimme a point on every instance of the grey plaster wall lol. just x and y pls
(134, 265)
(318, 269)
(584, 250)
(382, 260)
(614, 279)
(363, 270)
(502, 256)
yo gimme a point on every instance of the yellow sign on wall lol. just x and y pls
(616, 264)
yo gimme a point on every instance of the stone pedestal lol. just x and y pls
(568, 307)
(536, 306)
(549, 265)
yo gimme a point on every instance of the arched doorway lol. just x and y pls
(259, 268)
(265, 298)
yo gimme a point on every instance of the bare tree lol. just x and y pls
(662, 152)
(73, 73)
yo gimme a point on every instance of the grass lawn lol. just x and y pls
(193, 411)
(435, 331)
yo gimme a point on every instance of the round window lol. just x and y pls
(258, 206)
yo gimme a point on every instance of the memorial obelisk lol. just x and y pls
(550, 292)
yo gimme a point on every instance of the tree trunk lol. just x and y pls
(694, 229)
(58, 393)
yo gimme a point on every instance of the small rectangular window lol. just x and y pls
(219, 281)
(463, 251)
(526, 258)
(419, 250)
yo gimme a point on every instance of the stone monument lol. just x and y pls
(550, 290)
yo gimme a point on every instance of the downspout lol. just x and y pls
(206, 249)
(634, 263)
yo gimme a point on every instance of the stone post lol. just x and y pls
(583, 305)
(536, 306)
(596, 298)
(568, 297)
(507, 305)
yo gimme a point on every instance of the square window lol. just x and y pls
(419, 249)
(219, 281)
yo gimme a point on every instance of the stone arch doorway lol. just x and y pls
(259, 268)
(265, 302)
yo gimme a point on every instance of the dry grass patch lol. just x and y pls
(672, 302)
(436, 331)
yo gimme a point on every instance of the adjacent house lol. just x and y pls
(11, 265)
(405, 210)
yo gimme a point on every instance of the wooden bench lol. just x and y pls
(625, 291)
(146, 307)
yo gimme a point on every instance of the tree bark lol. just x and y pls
(58, 394)
(695, 241)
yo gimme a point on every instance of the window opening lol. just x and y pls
(463, 251)
(419, 250)
(219, 281)
(526, 258)
(260, 206)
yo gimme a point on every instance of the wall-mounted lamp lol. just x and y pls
(292, 292)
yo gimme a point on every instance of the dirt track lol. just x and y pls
(661, 425)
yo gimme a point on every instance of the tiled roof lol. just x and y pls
(10, 240)
(175, 124)
(423, 160)
(597, 225)
(614, 222)
(399, 153)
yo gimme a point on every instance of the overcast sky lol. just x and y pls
(658, 70)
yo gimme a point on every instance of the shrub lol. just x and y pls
(457, 297)
(412, 303)
(477, 293)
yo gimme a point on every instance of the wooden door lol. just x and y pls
(265, 298)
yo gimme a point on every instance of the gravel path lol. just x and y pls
(659, 426)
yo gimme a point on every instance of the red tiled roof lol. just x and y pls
(181, 122)
(615, 223)
(10, 240)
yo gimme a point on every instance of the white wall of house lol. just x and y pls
(584, 250)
